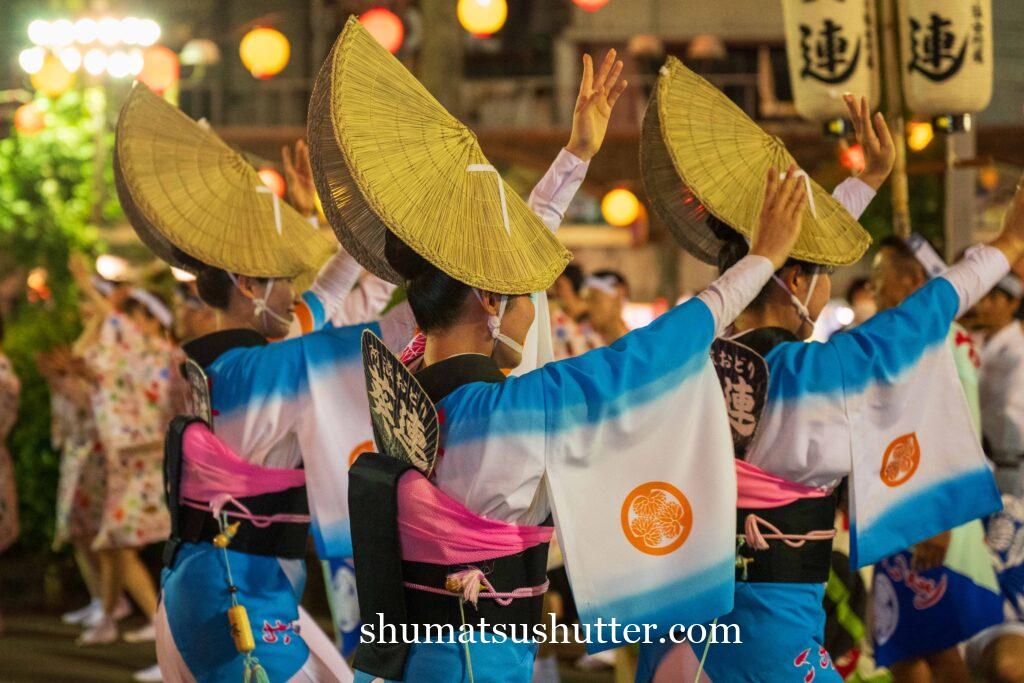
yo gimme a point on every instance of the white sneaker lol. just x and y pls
(150, 675)
(121, 610)
(103, 633)
(79, 616)
(146, 634)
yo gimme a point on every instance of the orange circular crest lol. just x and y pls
(656, 518)
(364, 447)
(901, 460)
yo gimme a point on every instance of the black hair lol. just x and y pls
(735, 247)
(435, 297)
(860, 284)
(575, 275)
(619, 278)
(905, 257)
(214, 286)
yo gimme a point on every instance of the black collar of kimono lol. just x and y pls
(764, 339)
(209, 348)
(444, 377)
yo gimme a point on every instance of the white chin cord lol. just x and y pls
(800, 306)
(260, 302)
(494, 324)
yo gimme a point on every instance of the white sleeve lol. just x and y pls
(335, 280)
(855, 195)
(365, 302)
(552, 195)
(735, 289)
(975, 274)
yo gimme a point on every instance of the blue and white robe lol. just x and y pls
(629, 447)
(882, 404)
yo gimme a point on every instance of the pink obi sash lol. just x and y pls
(760, 489)
(213, 475)
(434, 528)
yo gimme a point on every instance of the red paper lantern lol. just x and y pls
(273, 180)
(28, 120)
(160, 68)
(852, 158)
(590, 5)
(385, 26)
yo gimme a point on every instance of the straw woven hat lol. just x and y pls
(195, 201)
(387, 156)
(700, 153)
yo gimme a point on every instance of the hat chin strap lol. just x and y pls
(494, 324)
(800, 306)
(260, 302)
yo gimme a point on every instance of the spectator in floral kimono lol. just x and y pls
(10, 388)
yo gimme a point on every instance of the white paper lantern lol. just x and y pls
(831, 49)
(946, 49)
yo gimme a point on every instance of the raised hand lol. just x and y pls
(874, 138)
(1011, 238)
(597, 98)
(781, 216)
(298, 174)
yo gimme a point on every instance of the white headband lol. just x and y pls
(603, 283)
(155, 307)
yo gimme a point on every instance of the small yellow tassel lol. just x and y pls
(241, 631)
(254, 673)
(223, 540)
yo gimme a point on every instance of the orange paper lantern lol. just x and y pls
(264, 52)
(385, 26)
(53, 79)
(28, 120)
(273, 180)
(590, 5)
(160, 68)
(482, 17)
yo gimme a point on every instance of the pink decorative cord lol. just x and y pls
(758, 541)
(470, 581)
(216, 506)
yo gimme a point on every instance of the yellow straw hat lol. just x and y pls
(700, 154)
(388, 157)
(196, 202)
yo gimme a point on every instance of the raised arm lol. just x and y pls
(674, 342)
(873, 136)
(594, 104)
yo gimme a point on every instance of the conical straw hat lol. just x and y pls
(387, 156)
(700, 153)
(195, 201)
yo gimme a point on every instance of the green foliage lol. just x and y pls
(49, 198)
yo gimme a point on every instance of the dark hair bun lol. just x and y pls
(400, 256)
(734, 247)
(214, 287)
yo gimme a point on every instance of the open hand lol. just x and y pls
(874, 138)
(298, 174)
(781, 216)
(1011, 238)
(594, 105)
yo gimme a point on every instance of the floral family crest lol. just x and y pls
(404, 419)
